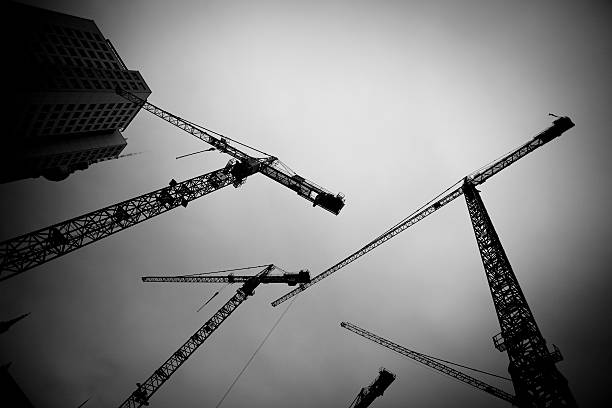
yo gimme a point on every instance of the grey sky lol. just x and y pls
(388, 102)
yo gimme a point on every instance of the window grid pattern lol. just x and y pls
(68, 158)
(61, 45)
(57, 119)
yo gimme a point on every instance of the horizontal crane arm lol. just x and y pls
(423, 359)
(268, 166)
(288, 278)
(29, 250)
(559, 126)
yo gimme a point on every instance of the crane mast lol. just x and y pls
(270, 166)
(152, 384)
(536, 380)
(35, 248)
(430, 362)
(559, 126)
(368, 394)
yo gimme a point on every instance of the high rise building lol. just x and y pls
(63, 113)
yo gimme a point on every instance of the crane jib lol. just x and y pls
(304, 188)
(559, 126)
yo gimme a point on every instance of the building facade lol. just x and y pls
(64, 112)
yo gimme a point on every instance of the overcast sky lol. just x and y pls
(387, 102)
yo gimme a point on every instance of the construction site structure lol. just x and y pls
(269, 166)
(536, 379)
(35, 248)
(27, 251)
(559, 126)
(431, 363)
(368, 394)
(151, 385)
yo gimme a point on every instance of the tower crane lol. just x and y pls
(368, 394)
(151, 385)
(29, 250)
(559, 126)
(432, 363)
(536, 380)
(269, 166)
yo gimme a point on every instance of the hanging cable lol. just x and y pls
(255, 352)
(213, 296)
(191, 154)
(225, 137)
(226, 270)
(466, 367)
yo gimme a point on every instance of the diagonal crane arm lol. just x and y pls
(429, 362)
(270, 166)
(152, 384)
(478, 177)
(24, 252)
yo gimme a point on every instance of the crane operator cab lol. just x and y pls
(559, 126)
(293, 279)
(243, 169)
(330, 202)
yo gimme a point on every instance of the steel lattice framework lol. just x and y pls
(429, 362)
(35, 248)
(288, 278)
(270, 166)
(480, 176)
(537, 381)
(368, 394)
(29, 250)
(163, 373)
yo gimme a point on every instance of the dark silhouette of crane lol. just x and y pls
(432, 363)
(151, 385)
(269, 166)
(368, 394)
(536, 379)
(27, 251)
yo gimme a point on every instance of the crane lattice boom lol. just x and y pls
(288, 278)
(162, 374)
(35, 248)
(480, 176)
(269, 166)
(429, 362)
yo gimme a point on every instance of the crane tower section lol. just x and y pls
(536, 380)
